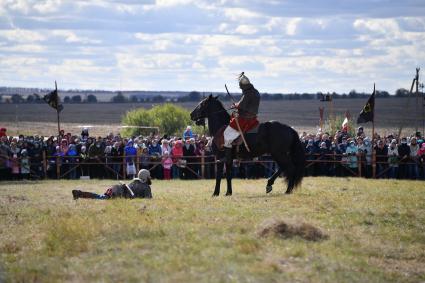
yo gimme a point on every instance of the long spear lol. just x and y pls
(373, 137)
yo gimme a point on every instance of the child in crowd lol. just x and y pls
(167, 162)
(25, 164)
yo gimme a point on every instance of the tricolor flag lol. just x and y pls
(344, 125)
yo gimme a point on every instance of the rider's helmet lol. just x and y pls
(144, 175)
(243, 80)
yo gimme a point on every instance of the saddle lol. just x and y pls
(218, 138)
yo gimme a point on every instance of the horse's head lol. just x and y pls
(202, 110)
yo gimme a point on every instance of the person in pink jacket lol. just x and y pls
(177, 155)
(167, 163)
(421, 157)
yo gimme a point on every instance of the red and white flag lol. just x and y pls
(345, 122)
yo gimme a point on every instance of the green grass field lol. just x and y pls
(375, 233)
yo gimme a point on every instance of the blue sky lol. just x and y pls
(283, 46)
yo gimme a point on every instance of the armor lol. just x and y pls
(247, 110)
(138, 188)
(249, 102)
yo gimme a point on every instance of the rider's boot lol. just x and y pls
(227, 154)
(76, 194)
(80, 194)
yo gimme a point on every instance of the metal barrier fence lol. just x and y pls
(200, 167)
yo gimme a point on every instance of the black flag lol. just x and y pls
(52, 99)
(366, 115)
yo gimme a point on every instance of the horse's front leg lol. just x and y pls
(229, 176)
(218, 177)
(271, 180)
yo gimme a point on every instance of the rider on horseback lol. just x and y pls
(245, 115)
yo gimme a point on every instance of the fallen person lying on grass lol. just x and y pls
(138, 188)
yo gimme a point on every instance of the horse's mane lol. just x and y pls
(222, 108)
(217, 115)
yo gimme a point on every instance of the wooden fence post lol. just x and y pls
(203, 165)
(124, 169)
(58, 168)
(359, 164)
(44, 165)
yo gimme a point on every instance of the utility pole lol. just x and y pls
(415, 80)
(423, 107)
(417, 100)
(57, 108)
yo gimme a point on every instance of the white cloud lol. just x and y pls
(275, 23)
(246, 29)
(167, 4)
(223, 27)
(291, 26)
(77, 66)
(161, 45)
(163, 61)
(71, 37)
(47, 6)
(240, 14)
(24, 48)
(381, 26)
(21, 6)
(21, 35)
(197, 65)
(170, 3)
(184, 44)
(15, 61)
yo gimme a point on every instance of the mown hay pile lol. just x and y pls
(287, 230)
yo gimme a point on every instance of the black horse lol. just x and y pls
(279, 140)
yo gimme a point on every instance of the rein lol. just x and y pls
(219, 111)
(215, 112)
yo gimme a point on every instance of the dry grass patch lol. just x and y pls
(375, 230)
(285, 229)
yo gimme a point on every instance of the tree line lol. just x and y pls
(194, 96)
(37, 98)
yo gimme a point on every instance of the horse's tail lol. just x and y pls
(298, 159)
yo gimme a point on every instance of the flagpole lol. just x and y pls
(373, 136)
(57, 108)
(417, 100)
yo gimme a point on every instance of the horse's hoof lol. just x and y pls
(228, 194)
(214, 195)
(269, 188)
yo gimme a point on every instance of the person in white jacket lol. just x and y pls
(351, 153)
(414, 160)
(393, 159)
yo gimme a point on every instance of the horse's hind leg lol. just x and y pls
(286, 166)
(289, 174)
(218, 176)
(271, 180)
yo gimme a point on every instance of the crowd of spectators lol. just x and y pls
(189, 156)
(114, 157)
(345, 155)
